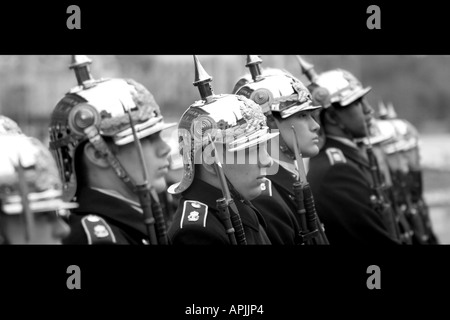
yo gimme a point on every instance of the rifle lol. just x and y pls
(415, 178)
(410, 210)
(148, 198)
(312, 231)
(230, 218)
(378, 200)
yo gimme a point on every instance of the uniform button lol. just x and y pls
(93, 218)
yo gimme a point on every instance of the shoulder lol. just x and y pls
(97, 230)
(193, 213)
(335, 156)
(194, 223)
(328, 159)
(90, 229)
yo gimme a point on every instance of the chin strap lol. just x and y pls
(282, 144)
(100, 145)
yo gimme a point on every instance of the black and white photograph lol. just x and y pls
(151, 166)
(225, 149)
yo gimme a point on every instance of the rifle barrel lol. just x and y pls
(234, 213)
(149, 205)
(305, 200)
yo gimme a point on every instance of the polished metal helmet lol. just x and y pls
(95, 109)
(26, 158)
(406, 136)
(386, 111)
(232, 120)
(336, 86)
(380, 132)
(9, 126)
(276, 91)
(256, 72)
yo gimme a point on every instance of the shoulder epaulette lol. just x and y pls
(194, 212)
(335, 156)
(266, 187)
(97, 230)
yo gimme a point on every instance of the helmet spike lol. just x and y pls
(80, 64)
(391, 111)
(202, 80)
(253, 63)
(307, 69)
(382, 111)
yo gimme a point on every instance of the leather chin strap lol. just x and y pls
(283, 146)
(100, 145)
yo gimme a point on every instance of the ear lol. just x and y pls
(208, 159)
(94, 156)
(209, 168)
(331, 116)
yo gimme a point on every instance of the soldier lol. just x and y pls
(286, 103)
(346, 187)
(215, 205)
(30, 192)
(403, 159)
(105, 137)
(381, 133)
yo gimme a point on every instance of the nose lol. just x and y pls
(264, 159)
(60, 229)
(367, 108)
(315, 126)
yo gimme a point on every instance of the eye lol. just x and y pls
(303, 115)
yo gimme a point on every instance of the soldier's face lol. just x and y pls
(246, 176)
(48, 228)
(307, 130)
(155, 151)
(355, 117)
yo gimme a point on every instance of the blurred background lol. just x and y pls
(417, 86)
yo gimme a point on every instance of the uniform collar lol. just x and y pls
(349, 149)
(284, 179)
(343, 140)
(113, 208)
(208, 194)
(113, 193)
(289, 167)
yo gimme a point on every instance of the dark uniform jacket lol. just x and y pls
(277, 206)
(341, 184)
(103, 219)
(196, 220)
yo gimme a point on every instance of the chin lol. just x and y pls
(252, 193)
(311, 152)
(160, 185)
